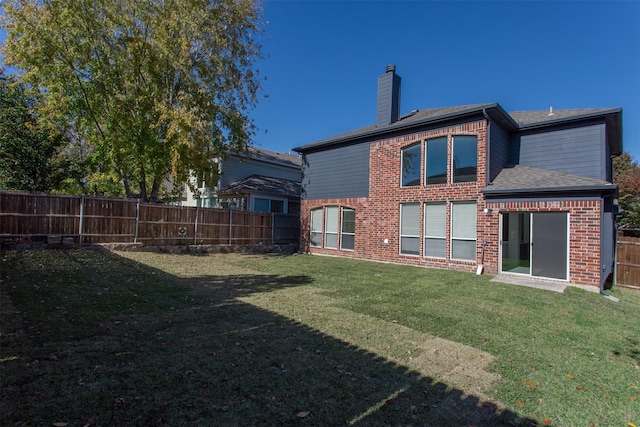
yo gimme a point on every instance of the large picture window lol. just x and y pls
(463, 230)
(410, 228)
(331, 227)
(316, 227)
(465, 158)
(411, 165)
(436, 161)
(435, 230)
(348, 229)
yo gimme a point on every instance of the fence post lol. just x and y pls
(81, 222)
(273, 228)
(135, 235)
(195, 229)
(230, 222)
(50, 217)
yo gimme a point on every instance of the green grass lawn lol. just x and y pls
(97, 338)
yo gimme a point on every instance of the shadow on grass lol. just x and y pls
(209, 359)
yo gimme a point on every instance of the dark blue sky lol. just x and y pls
(322, 60)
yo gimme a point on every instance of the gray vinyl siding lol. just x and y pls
(233, 170)
(498, 150)
(336, 173)
(577, 151)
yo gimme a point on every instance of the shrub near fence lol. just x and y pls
(109, 220)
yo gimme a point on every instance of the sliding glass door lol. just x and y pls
(535, 244)
(516, 243)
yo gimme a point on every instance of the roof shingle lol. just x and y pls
(264, 185)
(524, 179)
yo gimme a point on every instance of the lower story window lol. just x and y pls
(435, 230)
(348, 229)
(463, 230)
(410, 229)
(331, 227)
(316, 227)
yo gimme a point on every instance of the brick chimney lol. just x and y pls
(388, 97)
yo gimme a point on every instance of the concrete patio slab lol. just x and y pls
(530, 282)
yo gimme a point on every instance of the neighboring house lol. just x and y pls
(526, 193)
(258, 180)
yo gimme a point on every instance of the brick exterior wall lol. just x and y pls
(584, 234)
(377, 231)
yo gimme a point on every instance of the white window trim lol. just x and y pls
(426, 236)
(311, 229)
(408, 235)
(446, 160)
(419, 143)
(346, 233)
(453, 170)
(462, 239)
(336, 233)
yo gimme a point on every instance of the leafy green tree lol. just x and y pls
(156, 89)
(32, 156)
(626, 173)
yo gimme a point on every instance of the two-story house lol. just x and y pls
(257, 180)
(438, 187)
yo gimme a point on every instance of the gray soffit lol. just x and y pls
(415, 119)
(259, 184)
(524, 179)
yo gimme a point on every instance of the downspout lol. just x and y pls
(615, 259)
(488, 153)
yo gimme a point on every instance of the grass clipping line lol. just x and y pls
(459, 366)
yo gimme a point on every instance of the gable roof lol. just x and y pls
(414, 119)
(260, 154)
(526, 119)
(518, 120)
(525, 179)
(264, 185)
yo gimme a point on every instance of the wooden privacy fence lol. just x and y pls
(110, 220)
(628, 260)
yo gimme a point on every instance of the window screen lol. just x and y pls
(410, 228)
(348, 231)
(331, 227)
(463, 230)
(316, 227)
(435, 230)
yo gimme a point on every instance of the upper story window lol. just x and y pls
(411, 165)
(465, 158)
(436, 161)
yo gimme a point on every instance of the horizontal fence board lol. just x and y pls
(109, 220)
